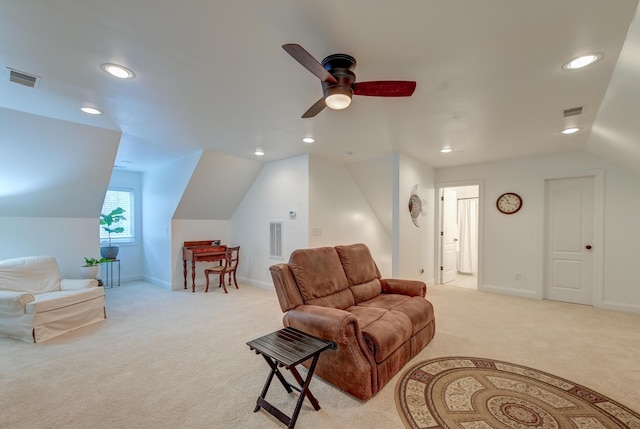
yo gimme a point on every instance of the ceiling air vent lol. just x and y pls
(23, 78)
(574, 111)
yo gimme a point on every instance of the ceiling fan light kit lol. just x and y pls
(339, 81)
(337, 98)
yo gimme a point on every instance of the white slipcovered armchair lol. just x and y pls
(36, 304)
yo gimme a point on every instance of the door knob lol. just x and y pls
(588, 247)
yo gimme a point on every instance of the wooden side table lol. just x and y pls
(287, 348)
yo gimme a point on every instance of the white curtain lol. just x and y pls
(468, 236)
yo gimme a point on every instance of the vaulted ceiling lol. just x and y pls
(212, 75)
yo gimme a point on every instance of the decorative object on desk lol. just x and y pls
(91, 268)
(451, 391)
(110, 251)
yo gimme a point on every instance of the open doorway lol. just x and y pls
(459, 235)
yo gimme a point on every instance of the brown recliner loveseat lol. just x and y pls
(336, 293)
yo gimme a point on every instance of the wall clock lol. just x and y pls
(509, 203)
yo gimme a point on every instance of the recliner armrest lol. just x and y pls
(322, 322)
(404, 287)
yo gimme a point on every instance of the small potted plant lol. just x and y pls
(110, 251)
(91, 268)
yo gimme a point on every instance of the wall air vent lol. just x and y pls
(275, 239)
(574, 111)
(23, 78)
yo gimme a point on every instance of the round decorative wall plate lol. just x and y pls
(417, 204)
(415, 208)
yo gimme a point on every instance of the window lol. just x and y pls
(119, 198)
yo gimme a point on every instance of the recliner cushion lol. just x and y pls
(320, 277)
(366, 291)
(383, 330)
(417, 309)
(361, 271)
(358, 264)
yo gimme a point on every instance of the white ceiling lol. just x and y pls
(212, 74)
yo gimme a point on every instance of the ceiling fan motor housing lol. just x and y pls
(341, 66)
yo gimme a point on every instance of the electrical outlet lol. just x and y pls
(518, 276)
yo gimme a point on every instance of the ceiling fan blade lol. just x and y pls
(385, 88)
(306, 59)
(315, 109)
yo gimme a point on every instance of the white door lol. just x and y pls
(569, 238)
(448, 234)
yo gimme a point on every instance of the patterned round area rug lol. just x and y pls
(474, 393)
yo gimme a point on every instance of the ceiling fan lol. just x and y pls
(339, 81)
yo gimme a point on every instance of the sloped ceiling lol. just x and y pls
(616, 133)
(53, 168)
(217, 186)
(211, 75)
(374, 179)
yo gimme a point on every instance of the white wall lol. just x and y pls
(339, 213)
(374, 178)
(515, 243)
(68, 239)
(130, 254)
(162, 189)
(413, 247)
(281, 186)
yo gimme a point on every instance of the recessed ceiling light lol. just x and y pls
(580, 62)
(571, 130)
(118, 71)
(308, 140)
(258, 152)
(446, 150)
(91, 110)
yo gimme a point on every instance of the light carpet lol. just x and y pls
(477, 393)
(176, 359)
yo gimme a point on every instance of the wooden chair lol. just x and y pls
(228, 266)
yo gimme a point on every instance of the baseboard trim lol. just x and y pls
(620, 306)
(256, 283)
(157, 282)
(509, 291)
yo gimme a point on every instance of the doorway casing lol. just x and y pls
(439, 225)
